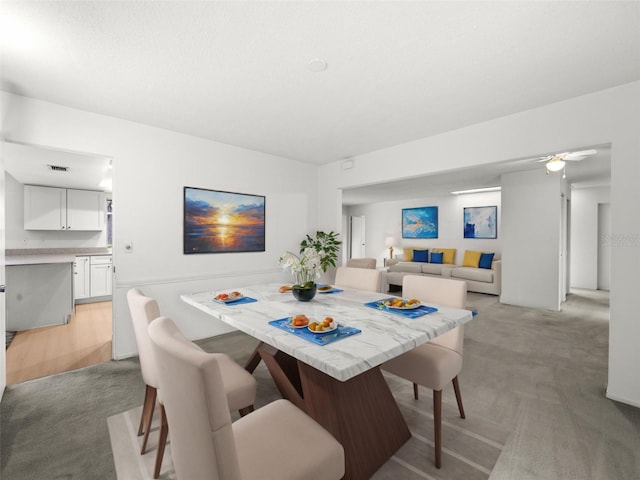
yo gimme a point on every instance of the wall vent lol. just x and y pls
(58, 168)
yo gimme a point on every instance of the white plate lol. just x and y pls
(326, 330)
(230, 299)
(325, 289)
(290, 325)
(410, 307)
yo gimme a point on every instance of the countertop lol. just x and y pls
(35, 256)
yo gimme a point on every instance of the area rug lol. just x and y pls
(471, 446)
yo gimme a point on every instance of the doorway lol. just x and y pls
(357, 246)
(604, 249)
(86, 339)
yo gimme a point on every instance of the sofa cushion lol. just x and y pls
(421, 256)
(436, 257)
(449, 254)
(475, 274)
(471, 258)
(411, 267)
(433, 268)
(407, 254)
(486, 260)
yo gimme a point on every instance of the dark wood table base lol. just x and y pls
(360, 413)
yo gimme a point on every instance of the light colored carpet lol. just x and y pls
(471, 447)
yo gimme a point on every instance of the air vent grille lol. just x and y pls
(58, 168)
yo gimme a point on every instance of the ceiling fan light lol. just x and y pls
(555, 164)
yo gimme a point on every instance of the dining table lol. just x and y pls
(335, 376)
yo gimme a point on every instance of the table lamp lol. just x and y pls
(389, 242)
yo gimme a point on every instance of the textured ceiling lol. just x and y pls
(237, 72)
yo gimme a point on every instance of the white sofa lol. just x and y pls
(482, 280)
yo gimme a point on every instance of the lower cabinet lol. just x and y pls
(81, 278)
(93, 276)
(101, 277)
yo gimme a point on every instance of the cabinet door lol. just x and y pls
(81, 278)
(45, 208)
(101, 280)
(85, 210)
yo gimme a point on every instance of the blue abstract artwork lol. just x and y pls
(481, 222)
(421, 222)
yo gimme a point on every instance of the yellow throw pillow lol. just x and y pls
(407, 254)
(449, 254)
(471, 258)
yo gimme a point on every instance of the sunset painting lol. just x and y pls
(223, 222)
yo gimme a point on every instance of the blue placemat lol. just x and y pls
(411, 313)
(317, 338)
(236, 302)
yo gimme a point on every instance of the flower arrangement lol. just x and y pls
(306, 268)
(316, 255)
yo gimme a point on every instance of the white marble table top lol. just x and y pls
(384, 335)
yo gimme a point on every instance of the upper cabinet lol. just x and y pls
(49, 208)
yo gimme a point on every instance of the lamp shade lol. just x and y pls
(555, 164)
(389, 242)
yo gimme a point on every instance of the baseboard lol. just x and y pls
(618, 398)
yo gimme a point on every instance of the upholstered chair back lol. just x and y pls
(202, 440)
(143, 311)
(442, 291)
(362, 263)
(360, 278)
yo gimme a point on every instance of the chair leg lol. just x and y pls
(456, 388)
(246, 410)
(147, 414)
(415, 391)
(162, 441)
(147, 393)
(437, 425)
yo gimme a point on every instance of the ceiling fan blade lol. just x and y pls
(579, 155)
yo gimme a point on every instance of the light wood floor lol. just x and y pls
(84, 341)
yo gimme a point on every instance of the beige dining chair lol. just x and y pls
(438, 362)
(362, 263)
(360, 278)
(278, 441)
(241, 386)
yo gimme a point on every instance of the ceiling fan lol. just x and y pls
(557, 162)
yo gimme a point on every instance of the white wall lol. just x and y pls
(531, 239)
(609, 116)
(18, 237)
(385, 218)
(584, 235)
(150, 168)
(3, 320)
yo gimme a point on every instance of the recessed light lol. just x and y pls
(477, 190)
(317, 65)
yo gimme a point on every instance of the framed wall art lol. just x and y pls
(420, 222)
(481, 222)
(223, 222)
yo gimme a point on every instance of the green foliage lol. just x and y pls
(327, 244)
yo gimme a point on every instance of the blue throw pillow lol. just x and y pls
(421, 256)
(437, 257)
(485, 260)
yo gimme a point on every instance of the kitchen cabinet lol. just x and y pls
(81, 277)
(101, 276)
(38, 295)
(50, 208)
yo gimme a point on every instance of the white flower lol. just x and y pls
(305, 268)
